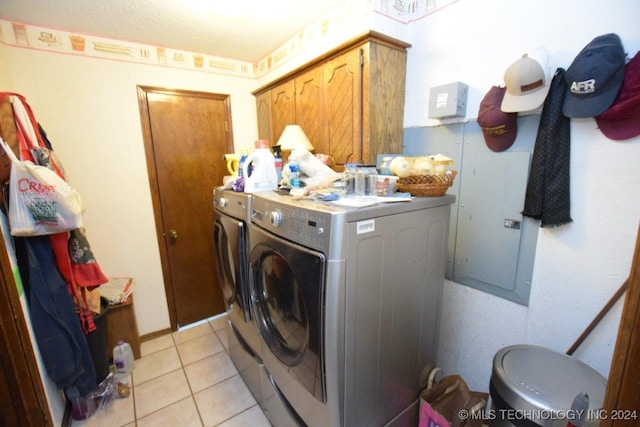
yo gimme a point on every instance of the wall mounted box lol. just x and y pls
(448, 100)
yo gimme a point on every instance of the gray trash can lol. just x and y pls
(535, 386)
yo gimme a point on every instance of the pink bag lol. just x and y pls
(429, 417)
(449, 402)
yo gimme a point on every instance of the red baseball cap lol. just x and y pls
(498, 128)
(622, 119)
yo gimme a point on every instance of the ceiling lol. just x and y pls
(246, 31)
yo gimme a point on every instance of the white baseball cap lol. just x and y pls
(527, 86)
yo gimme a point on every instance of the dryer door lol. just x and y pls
(230, 248)
(287, 296)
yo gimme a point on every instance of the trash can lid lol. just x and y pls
(536, 378)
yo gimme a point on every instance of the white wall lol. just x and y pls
(89, 108)
(578, 266)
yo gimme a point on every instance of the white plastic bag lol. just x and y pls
(40, 201)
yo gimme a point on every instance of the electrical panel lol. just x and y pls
(491, 245)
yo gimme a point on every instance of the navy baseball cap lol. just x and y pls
(594, 77)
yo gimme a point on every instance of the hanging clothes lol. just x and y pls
(548, 192)
(63, 346)
(81, 273)
(56, 270)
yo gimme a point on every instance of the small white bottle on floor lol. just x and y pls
(123, 360)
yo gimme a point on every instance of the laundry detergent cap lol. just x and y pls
(262, 143)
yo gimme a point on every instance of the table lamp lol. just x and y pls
(294, 137)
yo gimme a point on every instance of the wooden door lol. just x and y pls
(342, 95)
(186, 134)
(622, 400)
(24, 402)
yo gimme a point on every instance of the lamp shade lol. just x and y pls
(294, 137)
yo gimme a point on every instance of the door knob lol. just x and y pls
(173, 234)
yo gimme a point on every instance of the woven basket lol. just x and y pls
(426, 185)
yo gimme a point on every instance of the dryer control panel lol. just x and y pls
(301, 226)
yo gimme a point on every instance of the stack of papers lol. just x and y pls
(356, 202)
(117, 289)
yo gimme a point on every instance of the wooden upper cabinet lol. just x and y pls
(308, 106)
(342, 128)
(349, 102)
(282, 109)
(383, 100)
(263, 105)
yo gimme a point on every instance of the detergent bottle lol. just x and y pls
(263, 176)
(242, 163)
(277, 155)
(123, 359)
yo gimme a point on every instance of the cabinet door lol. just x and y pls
(263, 105)
(342, 77)
(383, 100)
(308, 107)
(282, 109)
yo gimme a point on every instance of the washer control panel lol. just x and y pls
(304, 226)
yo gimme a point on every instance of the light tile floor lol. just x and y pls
(185, 379)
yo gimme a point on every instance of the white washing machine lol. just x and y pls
(347, 303)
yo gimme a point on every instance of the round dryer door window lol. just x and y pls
(287, 298)
(283, 309)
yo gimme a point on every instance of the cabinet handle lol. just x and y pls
(512, 223)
